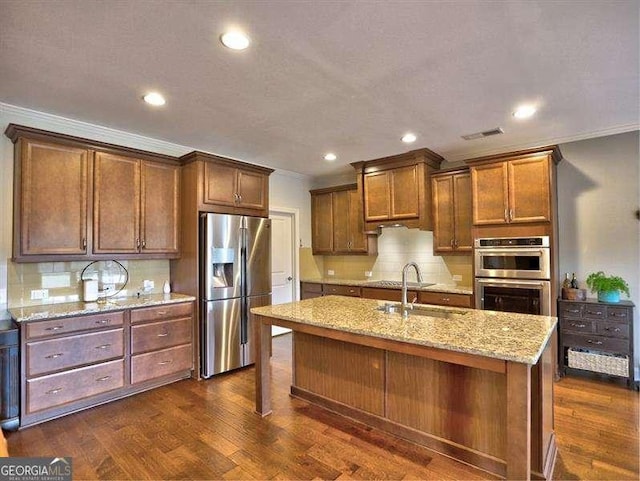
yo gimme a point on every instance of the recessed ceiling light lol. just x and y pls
(330, 157)
(235, 40)
(154, 98)
(408, 138)
(524, 111)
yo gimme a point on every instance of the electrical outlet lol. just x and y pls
(39, 294)
(368, 273)
(457, 278)
(330, 272)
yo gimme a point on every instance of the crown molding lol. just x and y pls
(467, 154)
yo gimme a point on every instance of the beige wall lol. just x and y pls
(598, 195)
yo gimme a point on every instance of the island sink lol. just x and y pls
(396, 308)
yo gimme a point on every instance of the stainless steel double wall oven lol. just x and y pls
(513, 274)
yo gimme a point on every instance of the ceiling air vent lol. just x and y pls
(486, 133)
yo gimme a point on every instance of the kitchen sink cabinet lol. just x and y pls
(337, 223)
(77, 362)
(51, 189)
(310, 290)
(451, 212)
(396, 190)
(78, 199)
(513, 190)
(136, 206)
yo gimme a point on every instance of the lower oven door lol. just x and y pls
(514, 295)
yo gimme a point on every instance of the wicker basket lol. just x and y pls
(574, 294)
(599, 362)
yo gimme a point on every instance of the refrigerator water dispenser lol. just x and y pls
(222, 259)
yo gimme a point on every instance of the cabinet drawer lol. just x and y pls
(571, 310)
(613, 329)
(382, 294)
(66, 352)
(66, 325)
(593, 311)
(311, 287)
(166, 311)
(577, 325)
(617, 313)
(596, 342)
(331, 289)
(160, 363)
(56, 389)
(444, 299)
(158, 335)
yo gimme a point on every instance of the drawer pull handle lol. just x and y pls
(103, 321)
(617, 329)
(54, 328)
(596, 313)
(104, 346)
(54, 391)
(163, 334)
(597, 343)
(613, 314)
(162, 363)
(351, 291)
(573, 324)
(162, 313)
(54, 356)
(574, 311)
(103, 378)
(446, 299)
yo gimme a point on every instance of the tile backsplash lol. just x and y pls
(396, 247)
(61, 280)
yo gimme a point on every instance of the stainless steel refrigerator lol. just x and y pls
(236, 276)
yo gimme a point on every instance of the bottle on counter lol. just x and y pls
(574, 281)
(567, 283)
(166, 288)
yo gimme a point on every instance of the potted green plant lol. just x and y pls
(607, 287)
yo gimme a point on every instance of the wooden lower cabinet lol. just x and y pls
(309, 290)
(77, 362)
(340, 290)
(445, 299)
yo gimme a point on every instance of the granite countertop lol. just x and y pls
(50, 311)
(499, 335)
(371, 283)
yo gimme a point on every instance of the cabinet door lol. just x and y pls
(322, 224)
(220, 184)
(53, 204)
(462, 212)
(341, 234)
(160, 194)
(252, 190)
(357, 237)
(405, 202)
(529, 196)
(443, 213)
(376, 196)
(489, 183)
(116, 204)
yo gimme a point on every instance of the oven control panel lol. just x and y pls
(539, 241)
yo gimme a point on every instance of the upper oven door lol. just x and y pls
(515, 263)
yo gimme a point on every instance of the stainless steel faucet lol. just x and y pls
(405, 306)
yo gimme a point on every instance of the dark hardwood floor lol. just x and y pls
(208, 430)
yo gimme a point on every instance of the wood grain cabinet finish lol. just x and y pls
(340, 290)
(396, 190)
(445, 299)
(136, 206)
(50, 199)
(310, 290)
(78, 199)
(74, 363)
(512, 191)
(451, 193)
(596, 327)
(337, 224)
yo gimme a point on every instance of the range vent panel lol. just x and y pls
(486, 133)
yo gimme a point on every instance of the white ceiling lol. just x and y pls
(344, 76)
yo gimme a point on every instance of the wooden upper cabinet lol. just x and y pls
(322, 223)
(397, 189)
(338, 223)
(451, 212)
(512, 191)
(116, 204)
(233, 187)
(160, 208)
(50, 199)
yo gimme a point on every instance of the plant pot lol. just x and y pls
(609, 296)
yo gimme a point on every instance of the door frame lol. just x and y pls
(295, 236)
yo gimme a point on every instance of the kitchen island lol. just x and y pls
(474, 385)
